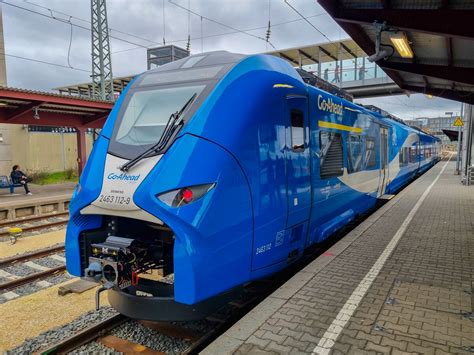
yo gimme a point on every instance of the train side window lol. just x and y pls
(354, 154)
(370, 152)
(413, 154)
(331, 154)
(297, 131)
(403, 156)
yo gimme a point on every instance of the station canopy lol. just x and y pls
(440, 34)
(19, 106)
(85, 89)
(321, 53)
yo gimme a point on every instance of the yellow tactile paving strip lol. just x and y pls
(29, 244)
(29, 316)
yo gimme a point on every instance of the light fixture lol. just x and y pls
(3, 104)
(36, 115)
(400, 42)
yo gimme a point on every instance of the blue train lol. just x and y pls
(219, 169)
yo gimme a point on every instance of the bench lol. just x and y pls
(6, 183)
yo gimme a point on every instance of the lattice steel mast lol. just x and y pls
(102, 84)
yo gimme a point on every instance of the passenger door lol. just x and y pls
(383, 172)
(298, 161)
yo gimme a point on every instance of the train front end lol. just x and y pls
(151, 219)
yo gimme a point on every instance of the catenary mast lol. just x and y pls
(102, 84)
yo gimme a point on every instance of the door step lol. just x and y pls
(386, 197)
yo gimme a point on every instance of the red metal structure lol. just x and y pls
(19, 106)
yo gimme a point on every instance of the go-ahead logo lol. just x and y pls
(123, 177)
(329, 105)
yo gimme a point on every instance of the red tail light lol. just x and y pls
(185, 195)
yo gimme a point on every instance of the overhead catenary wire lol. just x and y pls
(169, 41)
(138, 45)
(70, 44)
(188, 44)
(268, 33)
(89, 22)
(202, 38)
(52, 17)
(164, 24)
(221, 23)
(311, 24)
(228, 33)
(45, 62)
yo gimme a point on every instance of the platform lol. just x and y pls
(46, 199)
(401, 282)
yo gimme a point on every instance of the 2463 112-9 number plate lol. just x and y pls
(114, 200)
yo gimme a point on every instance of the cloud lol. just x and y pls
(34, 36)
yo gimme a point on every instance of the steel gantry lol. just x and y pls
(102, 84)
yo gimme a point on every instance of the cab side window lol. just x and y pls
(297, 131)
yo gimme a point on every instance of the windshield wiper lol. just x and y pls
(173, 124)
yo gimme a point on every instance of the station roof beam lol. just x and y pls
(439, 32)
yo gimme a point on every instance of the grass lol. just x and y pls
(43, 178)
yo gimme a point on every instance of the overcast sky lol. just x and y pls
(31, 35)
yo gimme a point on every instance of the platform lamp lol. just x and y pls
(400, 42)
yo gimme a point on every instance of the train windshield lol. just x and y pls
(148, 111)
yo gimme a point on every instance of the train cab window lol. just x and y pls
(148, 112)
(370, 154)
(331, 154)
(297, 131)
(354, 152)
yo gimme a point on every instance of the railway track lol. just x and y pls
(218, 322)
(30, 228)
(29, 256)
(20, 281)
(101, 333)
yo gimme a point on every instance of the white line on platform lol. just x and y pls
(58, 257)
(7, 275)
(36, 266)
(329, 338)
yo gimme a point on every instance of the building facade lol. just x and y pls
(434, 126)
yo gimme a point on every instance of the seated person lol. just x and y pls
(19, 177)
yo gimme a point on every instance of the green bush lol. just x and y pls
(44, 178)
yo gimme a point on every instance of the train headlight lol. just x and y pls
(185, 195)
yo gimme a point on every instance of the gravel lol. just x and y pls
(49, 262)
(137, 333)
(33, 287)
(93, 348)
(20, 270)
(55, 335)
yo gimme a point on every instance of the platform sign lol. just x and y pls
(458, 122)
